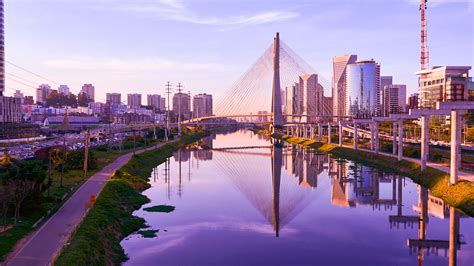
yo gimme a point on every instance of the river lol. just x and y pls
(270, 205)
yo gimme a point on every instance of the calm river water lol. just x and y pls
(264, 205)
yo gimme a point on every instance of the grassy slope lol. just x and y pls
(72, 179)
(97, 241)
(460, 196)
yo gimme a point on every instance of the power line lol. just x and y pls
(28, 71)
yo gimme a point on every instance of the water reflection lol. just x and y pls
(300, 178)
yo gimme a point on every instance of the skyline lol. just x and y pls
(218, 56)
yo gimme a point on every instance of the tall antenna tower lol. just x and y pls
(425, 54)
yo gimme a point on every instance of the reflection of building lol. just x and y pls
(363, 89)
(362, 188)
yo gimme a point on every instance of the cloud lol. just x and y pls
(176, 10)
(126, 65)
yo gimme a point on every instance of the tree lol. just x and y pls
(83, 100)
(23, 179)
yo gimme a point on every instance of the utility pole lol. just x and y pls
(86, 151)
(63, 159)
(168, 92)
(179, 107)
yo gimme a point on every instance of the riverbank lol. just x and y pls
(97, 240)
(36, 213)
(460, 196)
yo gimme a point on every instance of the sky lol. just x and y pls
(133, 46)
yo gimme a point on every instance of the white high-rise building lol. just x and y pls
(202, 105)
(311, 100)
(19, 95)
(113, 98)
(339, 87)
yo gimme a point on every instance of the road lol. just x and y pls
(48, 240)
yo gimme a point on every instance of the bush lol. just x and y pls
(75, 160)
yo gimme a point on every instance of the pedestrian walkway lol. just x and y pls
(47, 242)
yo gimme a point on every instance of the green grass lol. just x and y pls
(32, 211)
(460, 195)
(97, 240)
(160, 208)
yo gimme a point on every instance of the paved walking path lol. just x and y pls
(49, 239)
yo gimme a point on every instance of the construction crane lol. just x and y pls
(425, 54)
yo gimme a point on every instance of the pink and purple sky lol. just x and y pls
(137, 45)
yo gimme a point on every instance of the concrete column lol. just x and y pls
(425, 140)
(400, 139)
(376, 137)
(394, 143)
(372, 146)
(356, 137)
(340, 133)
(329, 133)
(320, 132)
(456, 125)
(453, 235)
(311, 130)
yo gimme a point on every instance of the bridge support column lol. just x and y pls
(372, 146)
(329, 133)
(400, 139)
(455, 145)
(376, 137)
(394, 143)
(340, 133)
(311, 131)
(356, 137)
(425, 140)
(320, 132)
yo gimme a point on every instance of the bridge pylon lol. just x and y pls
(276, 88)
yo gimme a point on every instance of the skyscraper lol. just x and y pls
(311, 101)
(2, 51)
(394, 99)
(113, 98)
(185, 104)
(339, 90)
(363, 89)
(154, 100)
(413, 101)
(9, 106)
(89, 90)
(64, 89)
(202, 105)
(134, 100)
(42, 93)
